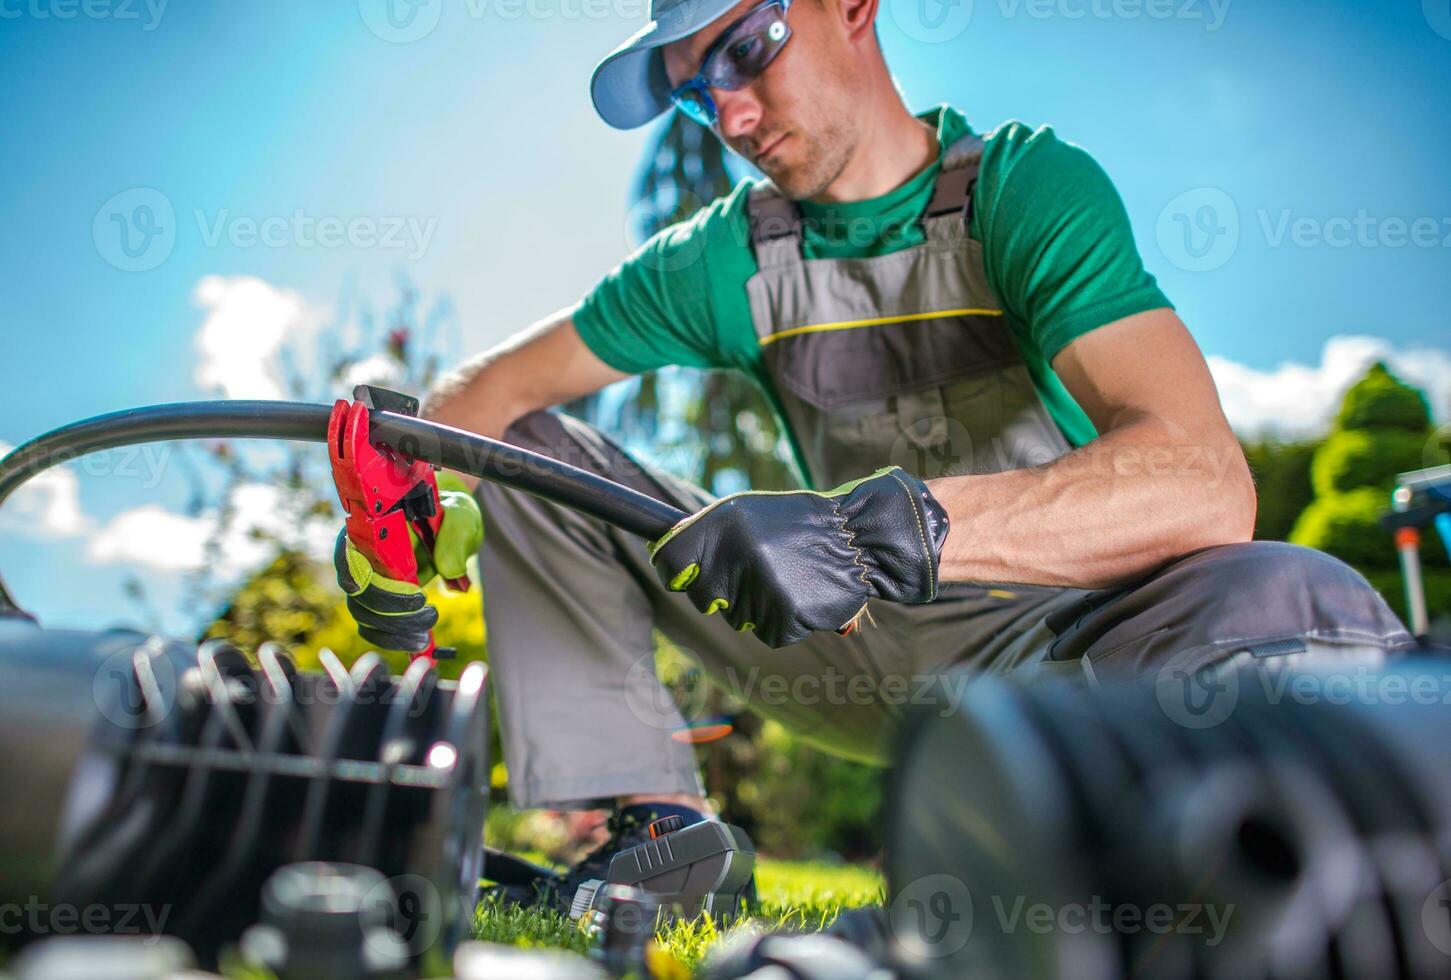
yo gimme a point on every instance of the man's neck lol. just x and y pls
(895, 146)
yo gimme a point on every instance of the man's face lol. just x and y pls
(795, 121)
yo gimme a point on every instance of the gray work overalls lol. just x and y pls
(903, 358)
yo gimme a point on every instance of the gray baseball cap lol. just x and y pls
(629, 87)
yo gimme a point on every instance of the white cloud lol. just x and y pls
(379, 369)
(240, 344)
(154, 537)
(1295, 400)
(48, 505)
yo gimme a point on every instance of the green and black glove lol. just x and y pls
(787, 564)
(396, 615)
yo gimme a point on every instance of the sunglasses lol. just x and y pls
(735, 59)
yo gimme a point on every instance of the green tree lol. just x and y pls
(1282, 479)
(1380, 431)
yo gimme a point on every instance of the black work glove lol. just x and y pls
(787, 564)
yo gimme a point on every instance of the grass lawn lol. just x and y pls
(794, 895)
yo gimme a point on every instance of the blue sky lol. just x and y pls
(1283, 166)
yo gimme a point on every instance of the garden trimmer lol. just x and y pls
(225, 768)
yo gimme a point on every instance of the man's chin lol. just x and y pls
(794, 182)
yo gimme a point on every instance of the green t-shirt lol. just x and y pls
(1057, 246)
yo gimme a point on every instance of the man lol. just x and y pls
(960, 338)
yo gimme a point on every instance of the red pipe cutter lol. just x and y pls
(385, 493)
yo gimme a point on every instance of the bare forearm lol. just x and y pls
(475, 396)
(540, 367)
(1107, 513)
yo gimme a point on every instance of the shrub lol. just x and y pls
(1352, 459)
(1380, 400)
(1347, 525)
(1282, 482)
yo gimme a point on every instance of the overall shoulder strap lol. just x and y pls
(775, 222)
(953, 193)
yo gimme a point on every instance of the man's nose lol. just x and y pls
(738, 113)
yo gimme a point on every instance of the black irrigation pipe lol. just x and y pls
(441, 445)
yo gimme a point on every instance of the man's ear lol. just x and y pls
(858, 17)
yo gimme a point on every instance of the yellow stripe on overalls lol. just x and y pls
(876, 321)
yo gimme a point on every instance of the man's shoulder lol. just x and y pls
(722, 223)
(1022, 164)
(1013, 142)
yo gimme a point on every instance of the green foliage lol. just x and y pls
(287, 602)
(1351, 459)
(1380, 431)
(802, 802)
(296, 602)
(1436, 582)
(1282, 480)
(1380, 400)
(1347, 525)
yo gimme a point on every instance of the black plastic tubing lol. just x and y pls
(441, 445)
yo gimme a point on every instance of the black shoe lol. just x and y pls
(628, 826)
